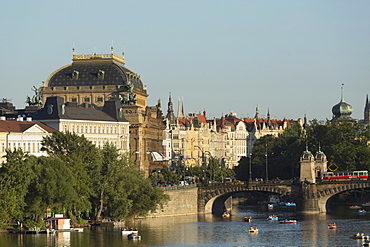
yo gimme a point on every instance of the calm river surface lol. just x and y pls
(210, 230)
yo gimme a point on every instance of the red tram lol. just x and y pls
(345, 175)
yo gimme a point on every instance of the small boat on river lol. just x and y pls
(225, 214)
(253, 229)
(360, 236)
(247, 219)
(286, 221)
(273, 217)
(134, 236)
(332, 226)
(354, 207)
(126, 231)
(361, 211)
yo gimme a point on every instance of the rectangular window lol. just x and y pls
(99, 99)
(74, 100)
(86, 99)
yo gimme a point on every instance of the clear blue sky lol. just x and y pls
(222, 56)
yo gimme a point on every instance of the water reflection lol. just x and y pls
(213, 230)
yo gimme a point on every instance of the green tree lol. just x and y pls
(15, 177)
(52, 188)
(82, 158)
(345, 144)
(121, 191)
(165, 176)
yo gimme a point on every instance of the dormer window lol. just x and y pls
(75, 75)
(101, 74)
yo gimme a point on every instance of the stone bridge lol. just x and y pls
(310, 198)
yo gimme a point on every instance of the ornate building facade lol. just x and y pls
(96, 78)
(192, 140)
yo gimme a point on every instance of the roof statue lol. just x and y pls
(36, 99)
(130, 97)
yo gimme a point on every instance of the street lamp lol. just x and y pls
(250, 157)
(267, 177)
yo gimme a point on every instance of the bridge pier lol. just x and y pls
(311, 203)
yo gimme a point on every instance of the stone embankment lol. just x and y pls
(183, 201)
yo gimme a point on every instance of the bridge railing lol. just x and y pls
(275, 182)
(230, 184)
(179, 187)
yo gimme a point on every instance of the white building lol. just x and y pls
(26, 135)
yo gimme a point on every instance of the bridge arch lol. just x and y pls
(316, 196)
(214, 198)
(311, 197)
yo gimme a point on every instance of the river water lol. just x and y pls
(211, 230)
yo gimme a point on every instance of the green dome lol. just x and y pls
(342, 111)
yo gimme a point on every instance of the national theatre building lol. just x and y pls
(91, 80)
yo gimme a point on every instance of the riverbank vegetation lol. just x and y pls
(345, 144)
(77, 179)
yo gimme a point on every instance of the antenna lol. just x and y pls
(342, 92)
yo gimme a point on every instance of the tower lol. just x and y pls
(367, 110)
(312, 166)
(170, 114)
(307, 162)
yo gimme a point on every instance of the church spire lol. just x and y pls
(269, 125)
(257, 116)
(180, 109)
(367, 110)
(170, 115)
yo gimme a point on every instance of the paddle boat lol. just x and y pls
(272, 217)
(247, 219)
(360, 236)
(126, 231)
(332, 226)
(270, 206)
(225, 214)
(361, 211)
(366, 242)
(253, 229)
(354, 207)
(134, 236)
(286, 221)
